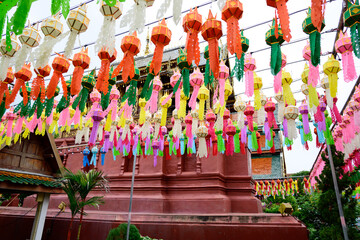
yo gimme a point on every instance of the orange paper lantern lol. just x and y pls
(22, 76)
(130, 45)
(60, 65)
(160, 36)
(81, 62)
(38, 84)
(103, 77)
(192, 24)
(231, 13)
(4, 84)
(211, 31)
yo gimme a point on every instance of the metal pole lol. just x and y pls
(338, 199)
(131, 198)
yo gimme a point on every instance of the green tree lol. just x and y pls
(327, 205)
(119, 233)
(77, 186)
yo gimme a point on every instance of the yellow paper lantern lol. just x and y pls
(202, 96)
(183, 99)
(164, 109)
(257, 86)
(286, 80)
(142, 104)
(331, 68)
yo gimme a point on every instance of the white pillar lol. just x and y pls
(39, 220)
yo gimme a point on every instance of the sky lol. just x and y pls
(255, 12)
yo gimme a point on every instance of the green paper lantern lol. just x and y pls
(275, 43)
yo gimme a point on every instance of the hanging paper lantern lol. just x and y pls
(280, 5)
(223, 75)
(106, 37)
(130, 45)
(230, 131)
(304, 111)
(88, 83)
(238, 70)
(240, 107)
(308, 89)
(192, 22)
(291, 113)
(184, 66)
(201, 133)
(210, 118)
(103, 76)
(152, 103)
(270, 109)
(227, 92)
(157, 122)
(177, 125)
(331, 68)
(29, 39)
(183, 99)
(78, 22)
(249, 74)
(60, 65)
(7, 54)
(4, 84)
(176, 83)
(286, 80)
(131, 92)
(274, 38)
(257, 87)
(352, 21)
(164, 107)
(249, 112)
(231, 13)
(211, 31)
(202, 96)
(52, 28)
(142, 104)
(313, 31)
(160, 36)
(112, 108)
(81, 61)
(344, 47)
(22, 76)
(38, 84)
(281, 106)
(196, 80)
(149, 3)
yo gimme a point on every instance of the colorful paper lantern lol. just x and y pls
(81, 61)
(22, 76)
(202, 96)
(279, 97)
(201, 133)
(131, 46)
(4, 84)
(223, 75)
(352, 21)
(7, 54)
(211, 31)
(286, 80)
(331, 68)
(152, 103)
(60, 65)
(249, 68)
(277, 77)
(257, 87)
(231, 13)
(291, 113)
(103, 76)
(160, 36)
(270, 109)
(344, 47)
(308, 89)
(38, 84)
(184, 66)
(240, 107)
(192, 22)
(196, 80)
(249, 112)
(274, 38)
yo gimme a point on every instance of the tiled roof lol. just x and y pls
(24, 178)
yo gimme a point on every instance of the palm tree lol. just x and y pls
(77, 186)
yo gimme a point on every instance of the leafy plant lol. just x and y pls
(119, 233)
(77, 186)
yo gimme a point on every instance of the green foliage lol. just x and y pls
(119, 233)
(273, 204)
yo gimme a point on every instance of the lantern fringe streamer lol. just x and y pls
(238, 70)
(177, 5)
(249, 83)
(51, 88)
(103, 77)
(157, 58)
(127, 65)
(276, 59)
(284, 19)
(315, 47)
(214, 56)
(132, 20)
(292, 132)
(75, 86)
(4, 65)
(233, 37)
(333, 79)
(106, 37)
(348, 66)
(288, 95)
(70, 44)
(355, 38)
(192, 47)
(22, 56)
(146, 87)
(317, 11)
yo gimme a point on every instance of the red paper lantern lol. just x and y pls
(60, 65)
(231, 13)
(22, 76)
(211, 32)
(249, 112)
(4, 84)
(280, 5)
(81, 62)
(130, 45)
(192, 23)
(160, 36)
(38, 84)
(103, 76)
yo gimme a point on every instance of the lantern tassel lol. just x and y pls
(355, 38)
(276, 59)
(277, 82)
(157, 58)
(51, 88)
(76, 80)
(102, 80)
(313, 97)
(127, 65)
(315, 47)
(348, 66)
(249, 83)
(288, 95)
(238, 70)
(192, 47)
(214, 56)
(284, 19)
(18, 84)
(202, 149)
(201, 109)
(70, 44)
(333, 79)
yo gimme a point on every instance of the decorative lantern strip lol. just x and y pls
(22, 76)
(344, 47)
(60, 65)
(192, 22)
(81, 61)
(281, 7)
(231, 13)
(238, 70)
(275, 39)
